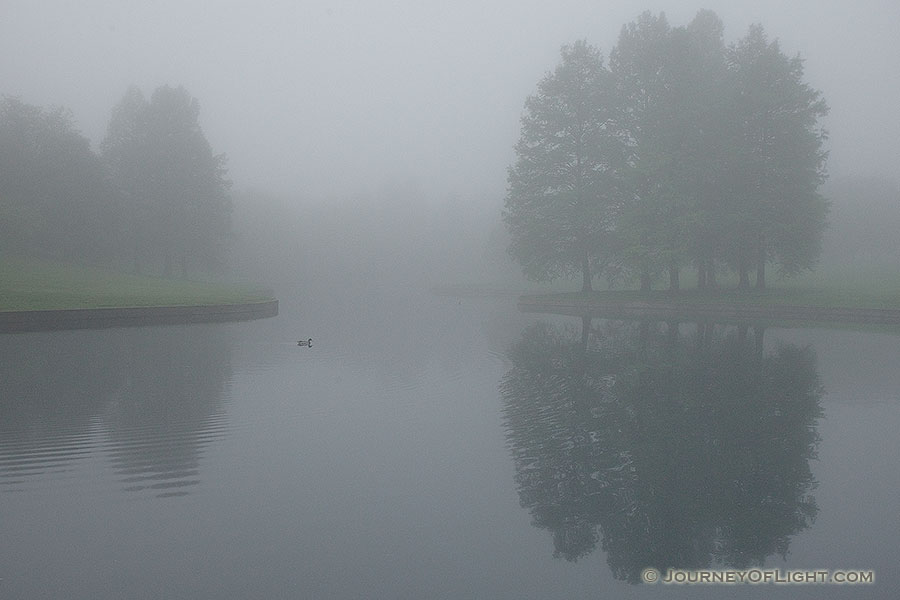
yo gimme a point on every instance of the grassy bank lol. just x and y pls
(827, 288)
(29, 284)
(812, 297)
(833, 287)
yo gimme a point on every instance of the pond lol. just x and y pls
(436, 447)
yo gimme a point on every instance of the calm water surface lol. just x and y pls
(443, 448)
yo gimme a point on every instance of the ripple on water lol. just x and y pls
(160, 459)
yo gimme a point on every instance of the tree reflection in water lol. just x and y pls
(669, 445)
(168, 407)
(148, 399)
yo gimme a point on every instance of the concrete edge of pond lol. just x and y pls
(731, 312)
(134, 316)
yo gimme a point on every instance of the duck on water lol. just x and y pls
(307, 343)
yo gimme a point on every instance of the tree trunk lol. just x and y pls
(760, 264)
(582, 360)
(711, 275)
(701, 275)
(672, 334)
(759, 333)
(674, 283)
(585, 330)
(643, 340)
(744, 272)
(701, 335)
(645, 283)
(586, 274)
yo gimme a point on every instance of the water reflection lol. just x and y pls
(168, 408)
(666, 445)
(145, 400)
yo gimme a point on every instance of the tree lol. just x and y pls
(706, 141)
(564, 191)
(54, 197)
(671, 81)
(639, 65)
(175, 186)
(123, 149)
(683, 151)
(778, 162)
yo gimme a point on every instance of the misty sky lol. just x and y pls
(317, 99)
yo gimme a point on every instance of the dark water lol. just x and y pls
(442, 448)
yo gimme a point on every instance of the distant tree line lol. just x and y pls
(681, 152)
(155, 197)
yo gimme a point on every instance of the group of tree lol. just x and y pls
(681, 151)
(154, 197)
(55, 197)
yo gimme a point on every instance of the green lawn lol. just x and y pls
(810, 297)
(29, 284)
(845, 287)
(834, 288)
(786, 296)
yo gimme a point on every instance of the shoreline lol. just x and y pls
(661, 309)
(21, 321)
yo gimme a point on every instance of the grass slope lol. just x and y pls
(801, 297)
(844, 287)
(29, 284)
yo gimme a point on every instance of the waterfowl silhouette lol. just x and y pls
(305, 343)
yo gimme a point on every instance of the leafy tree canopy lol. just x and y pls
(54, 197)
(176, 188)
(563, 193)
(683, 151)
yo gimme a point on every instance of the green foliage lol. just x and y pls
(707, 155)
(644, 64)
(54, 197)
(777, 158)
(157, 193)
(564, 192)
(174, 186)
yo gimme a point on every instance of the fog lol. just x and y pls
(325, 107)
(449, 444)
